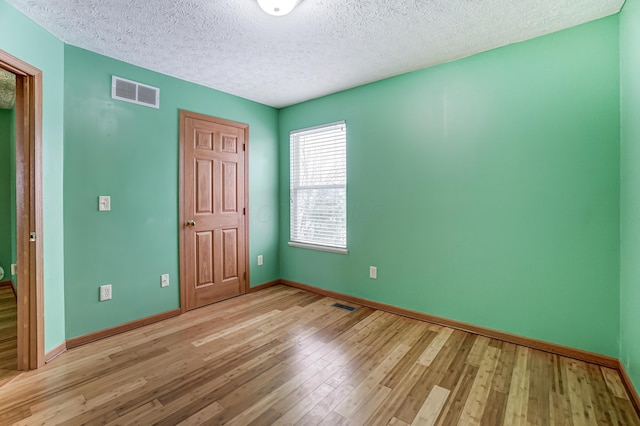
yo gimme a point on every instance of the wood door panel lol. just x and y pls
(204, 189)
(204, 139)
(230, 144)
(213, 209)
(229, 187)
(205, 258)
(230, 253)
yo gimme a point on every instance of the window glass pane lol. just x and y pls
(318, 186)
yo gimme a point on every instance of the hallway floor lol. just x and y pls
(8, 335)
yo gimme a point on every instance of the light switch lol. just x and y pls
(373, 272)
(104, 203)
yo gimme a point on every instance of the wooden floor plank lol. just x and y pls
(305, 405)
(541, 374)
(368, 405)
(285, 356)
(437, 369)
(432, 407)
(364, 388)
(473, 410)
(518, 401)
(581, 407)
(460, 393)
(8, 336)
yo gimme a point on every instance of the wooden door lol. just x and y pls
(213, 227)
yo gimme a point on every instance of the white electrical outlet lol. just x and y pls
(260, 260)
(373, 272)
(164, 280)
(104, 203)
(14, 269)
(105, 292)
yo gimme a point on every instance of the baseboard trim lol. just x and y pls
(631, 389)
(9, 283)
(553, 348)
(264, 286)
(118, 329)
(55, 352)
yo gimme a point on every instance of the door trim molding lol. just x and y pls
(28, 211)
(183, 114)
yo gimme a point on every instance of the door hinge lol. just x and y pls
(244, 147)
(244, 276)
(244, 211)
(32, 236)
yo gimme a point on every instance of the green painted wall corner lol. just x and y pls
(630, 189)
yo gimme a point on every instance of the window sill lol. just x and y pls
(319, 248)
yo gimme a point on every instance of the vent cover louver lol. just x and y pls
(345, 307)
(137, 93)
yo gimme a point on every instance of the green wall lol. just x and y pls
(130, 152)
(630, 189)
(12, 174)
(8, 193)
(22, 38)
(485, 190)
(5, 193)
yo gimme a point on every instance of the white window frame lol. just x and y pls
(297, 237)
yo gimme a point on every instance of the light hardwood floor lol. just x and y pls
(285, 356)
(8, 335)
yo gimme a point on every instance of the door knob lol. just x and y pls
(191, 223)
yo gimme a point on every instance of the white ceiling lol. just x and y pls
(322, 47)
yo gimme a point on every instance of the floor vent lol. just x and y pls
(134, 92)
(345, 307)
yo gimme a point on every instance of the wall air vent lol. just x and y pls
(137, 93)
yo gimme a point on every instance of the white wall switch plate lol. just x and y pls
(105, 292)
(260, 260)
(164, 280)
(373, 272)
(104, 203)
(14, 269)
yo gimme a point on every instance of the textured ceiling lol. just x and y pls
(322, 47)
(7, 89)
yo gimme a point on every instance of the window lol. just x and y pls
(319, 187)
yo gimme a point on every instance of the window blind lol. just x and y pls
(319, 185)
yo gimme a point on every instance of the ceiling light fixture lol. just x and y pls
(278, 7)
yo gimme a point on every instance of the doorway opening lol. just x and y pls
(8, 317)
(29, 247)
